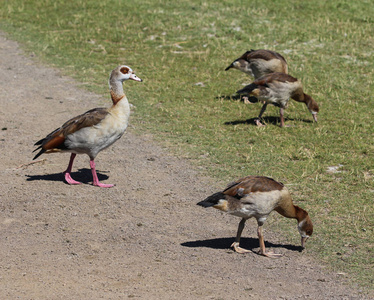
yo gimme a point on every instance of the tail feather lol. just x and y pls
(39, 142)
(248, 89)
(212, 200)
(36, 148)
(39, 153)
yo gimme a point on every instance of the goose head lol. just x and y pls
(122, 73)
(242, 65)
(312, 106)
(305, 228)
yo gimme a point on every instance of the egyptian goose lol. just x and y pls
(277, 89)
(94, 130)
(258, 196)
(259, 63)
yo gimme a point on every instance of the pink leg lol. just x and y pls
(95, 178)
(282, 124)
(67, 173)
(262, 245)
(281, 113)
(235, 244)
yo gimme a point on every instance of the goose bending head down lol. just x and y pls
(259, 63)
(93, 131)
(277, 89)
(258, 196)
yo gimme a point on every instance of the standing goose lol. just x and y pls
(258, 196)
(94, 130)
(277, 89)
(259, 63)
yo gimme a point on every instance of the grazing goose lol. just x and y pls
(277, 89)
(94, 130)
(259, 63)
(258, 196)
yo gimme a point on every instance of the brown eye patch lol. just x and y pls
(124, 70)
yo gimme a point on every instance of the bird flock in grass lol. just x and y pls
(251, 196)
(272, 84)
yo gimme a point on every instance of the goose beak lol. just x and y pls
(314, 114)
(303, 241)
(134, 77)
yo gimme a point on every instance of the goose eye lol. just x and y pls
(124, 70)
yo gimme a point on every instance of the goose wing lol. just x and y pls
(56, 139)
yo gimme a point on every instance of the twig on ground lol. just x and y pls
(31, 163)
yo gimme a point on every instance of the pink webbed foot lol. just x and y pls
(258, 123)
(238, 249)
(96, 181)
(103, 185)
(270, 254)
(70, 180)
(67, 175)
(246, 100)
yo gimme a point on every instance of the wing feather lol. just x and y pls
(252, 184)
(55, 140)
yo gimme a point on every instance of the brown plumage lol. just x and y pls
(258, 196)
(259, 63)
(277, 89)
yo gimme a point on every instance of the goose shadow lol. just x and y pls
(251, 121)
(246, 243)
(83, 175)
(237, 97)
(267, 120)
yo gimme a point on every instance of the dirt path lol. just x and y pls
(144, 238)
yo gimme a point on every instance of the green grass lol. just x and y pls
(180, 50)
